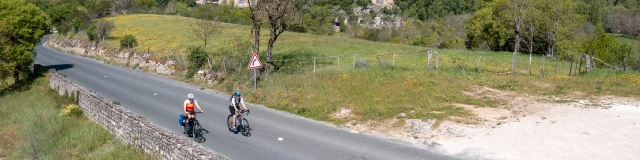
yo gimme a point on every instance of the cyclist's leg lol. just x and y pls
(233, 112)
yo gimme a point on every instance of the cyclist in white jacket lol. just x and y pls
(236, 100)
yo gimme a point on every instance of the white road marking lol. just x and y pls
(155, 94)
(105, 76)
(280, 138)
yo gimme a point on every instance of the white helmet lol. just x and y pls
(190, 96)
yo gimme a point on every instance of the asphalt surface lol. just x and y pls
(275, 134)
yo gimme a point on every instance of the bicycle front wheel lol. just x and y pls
(246, 130)
(197, 133)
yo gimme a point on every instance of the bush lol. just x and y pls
(71, 110)
(128, 41)
(92, 32)
(362, 64)
(197, 57)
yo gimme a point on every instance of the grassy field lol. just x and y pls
(32, 127)
(387, 87)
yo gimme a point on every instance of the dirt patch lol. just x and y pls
(542, 85)
(343, 112)
(552, 127)
(486, 114)
(562, 132)
(392, 126)
(8, 138)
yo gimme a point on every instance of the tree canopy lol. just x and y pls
(429, 9)
(22, 24)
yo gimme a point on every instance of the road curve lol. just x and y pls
(160, 99)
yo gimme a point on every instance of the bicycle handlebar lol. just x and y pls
(243, 111)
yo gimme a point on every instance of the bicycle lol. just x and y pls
(196, 129)
(242, 124)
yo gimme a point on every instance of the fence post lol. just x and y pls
(338, 62)
(556, 67)
(571, 64)
(314, 65)
(429, 59)
(184, 62)
(394, 59)
(529, 63)
(588, 62)
(478, 64)
(625, 62)
(354, 60)
(209, 60)
(436, 60)
(593, 63)
(580, 64)
(542, 65)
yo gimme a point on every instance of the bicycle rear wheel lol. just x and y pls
(246, 130)
(230, 122)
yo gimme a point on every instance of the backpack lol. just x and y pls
(235, 101)
(181, 119)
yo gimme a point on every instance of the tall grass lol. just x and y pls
(31, 128)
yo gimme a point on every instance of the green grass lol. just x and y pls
(624, 39)
(385, 89)
(30, 128)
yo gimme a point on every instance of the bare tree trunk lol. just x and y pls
(517, 45)
(272, 39)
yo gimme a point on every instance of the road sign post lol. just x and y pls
(255, 64)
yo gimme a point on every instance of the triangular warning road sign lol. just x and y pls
(255, 62)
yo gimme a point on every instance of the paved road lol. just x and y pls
(160, 100)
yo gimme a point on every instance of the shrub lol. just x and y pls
(197, 57)
(92, 32)
(362, 64)
(71, 110)
(128, 41)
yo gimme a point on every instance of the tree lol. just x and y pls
(255, 6)
(98, 8)
(319, 20)
(22, 24)
(144, 5)
(559, 21)
(279, 13)
(431, 9)
(517, 10)
(205, 29)
(122, 5)
(103, 29)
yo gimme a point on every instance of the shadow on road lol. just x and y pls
(59, 67)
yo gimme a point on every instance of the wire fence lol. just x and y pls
(422, 60)
(432, 60)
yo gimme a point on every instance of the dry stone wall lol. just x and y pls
(133, 129)
(79, 46)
